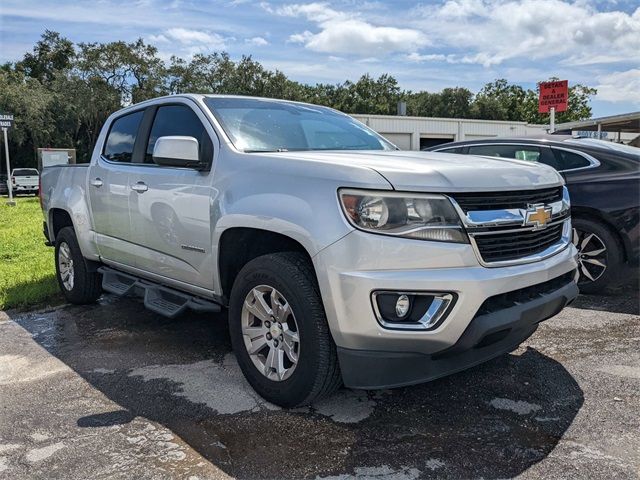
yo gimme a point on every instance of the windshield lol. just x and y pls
(24, 172)
(257, 125)
(618, 147)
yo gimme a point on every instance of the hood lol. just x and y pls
(442, 172)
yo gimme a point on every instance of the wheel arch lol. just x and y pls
(58, 219)
(239, 245)
(592, 214)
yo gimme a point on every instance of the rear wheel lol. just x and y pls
(599, 255)
(78, 282)
(279, 331)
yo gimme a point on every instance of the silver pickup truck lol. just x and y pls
(340, 258)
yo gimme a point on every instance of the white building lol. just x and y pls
(415, 133)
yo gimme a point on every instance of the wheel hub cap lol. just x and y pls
(270, 333)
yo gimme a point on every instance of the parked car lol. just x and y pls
(4, 187)
(604, 185)
(25, 180)
(340, 258)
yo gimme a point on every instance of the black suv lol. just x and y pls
(603, 179)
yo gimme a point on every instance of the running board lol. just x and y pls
(157, 298)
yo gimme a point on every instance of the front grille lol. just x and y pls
(505, 246)
(470, 202)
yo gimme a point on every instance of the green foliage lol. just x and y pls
(61, 93)
(27, 274)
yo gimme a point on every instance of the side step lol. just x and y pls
(157, 298)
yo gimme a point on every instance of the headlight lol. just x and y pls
(424, 217)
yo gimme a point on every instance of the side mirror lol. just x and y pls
(178, 151)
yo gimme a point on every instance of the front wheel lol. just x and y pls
(599, 255)
(79, 283)
(279, 331)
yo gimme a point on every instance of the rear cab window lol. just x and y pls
(122, 137)
(24, 172)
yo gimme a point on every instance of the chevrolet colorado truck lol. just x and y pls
(341, 259)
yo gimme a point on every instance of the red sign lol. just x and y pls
(553, 94)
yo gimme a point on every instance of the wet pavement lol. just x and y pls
(115, 391)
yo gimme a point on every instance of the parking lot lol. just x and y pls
(115, 391)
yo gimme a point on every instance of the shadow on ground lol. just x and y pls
(621, 298)
(493, 421)
(31, 292)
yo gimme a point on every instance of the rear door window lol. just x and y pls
(529, 153)
(122, 137)
(569, 160)
(451, 150)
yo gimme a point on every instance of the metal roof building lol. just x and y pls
(415, 133)
(623, 127)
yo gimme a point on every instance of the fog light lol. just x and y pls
(402, 306)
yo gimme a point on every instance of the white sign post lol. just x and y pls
(6, 122)
(552, 114)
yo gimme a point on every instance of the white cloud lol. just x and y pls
(620, 87)
(493, 31)
(195, 37)
(187, 42)
(431, 57)
(346, 33)
(256, 41)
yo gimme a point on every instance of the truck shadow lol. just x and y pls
(493, 421)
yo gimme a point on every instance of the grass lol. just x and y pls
(27, 272)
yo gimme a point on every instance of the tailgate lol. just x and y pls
(27, 181)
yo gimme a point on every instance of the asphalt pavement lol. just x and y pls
(114, 391)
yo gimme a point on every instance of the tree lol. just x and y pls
(500, 101)
(132, 69)
(62, 93)
(52, 53)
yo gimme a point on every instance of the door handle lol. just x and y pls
(139, 187)
(96, 182)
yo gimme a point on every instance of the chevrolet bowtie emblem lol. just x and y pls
(537, 216)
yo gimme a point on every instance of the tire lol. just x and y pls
(316, 373)
(590, 238)
(85, 285)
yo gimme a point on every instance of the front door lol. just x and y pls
(108, 187)
(171, 208)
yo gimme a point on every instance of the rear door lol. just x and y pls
(171, 207)
(108, 187)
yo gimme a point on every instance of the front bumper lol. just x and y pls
(352, 268)
(487, 336)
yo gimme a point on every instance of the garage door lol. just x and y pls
(401, 140)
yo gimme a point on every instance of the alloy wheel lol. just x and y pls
(270, 333)
(65, 266)
(592, 255)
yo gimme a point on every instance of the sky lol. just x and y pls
(428, 45)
